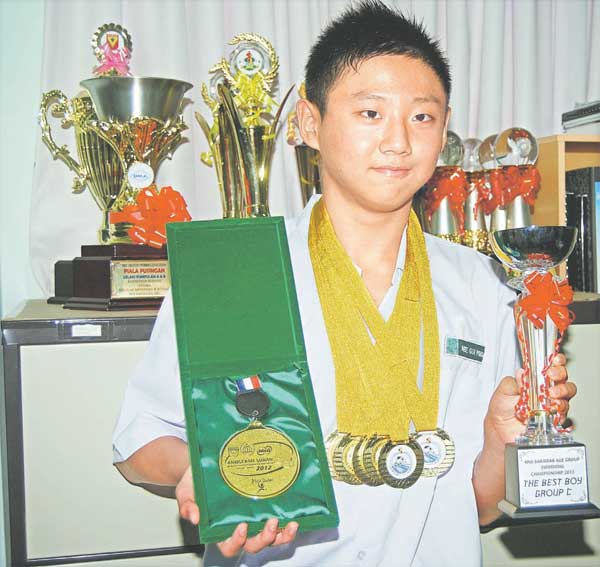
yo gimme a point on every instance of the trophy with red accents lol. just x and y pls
(125, 127)
(545, 469)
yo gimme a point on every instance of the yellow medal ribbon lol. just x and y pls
(377, 362)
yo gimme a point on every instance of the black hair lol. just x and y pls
(368, 30)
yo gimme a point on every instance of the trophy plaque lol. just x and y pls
(124, 128)
(545, 469)
(255, 441)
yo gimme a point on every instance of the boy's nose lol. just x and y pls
(396, 139)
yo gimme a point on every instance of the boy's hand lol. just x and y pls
(269, 536)
(501, 421)
(239, 540)
(184, 493)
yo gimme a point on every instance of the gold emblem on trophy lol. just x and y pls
(124, 128)
(242, 138)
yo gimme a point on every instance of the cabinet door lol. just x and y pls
(76, 501)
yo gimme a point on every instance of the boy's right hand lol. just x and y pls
(239, 540)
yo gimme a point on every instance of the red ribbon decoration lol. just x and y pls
(529, 184)
(476, 182)
(149, 216)
(447, 182)
(496, 180)
(523, 181)
(547, 298)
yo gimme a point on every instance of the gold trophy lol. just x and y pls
(307, 158)
(124, 127)
(242, 138)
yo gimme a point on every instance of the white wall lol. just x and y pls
(21, 29)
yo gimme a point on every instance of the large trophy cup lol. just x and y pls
(124, 128)
(545, 470)
(242, 138)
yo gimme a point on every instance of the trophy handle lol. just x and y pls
(58, 103)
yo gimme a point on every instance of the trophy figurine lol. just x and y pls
(545, 470)
(516, 151)
(242, 138)
(124, 128)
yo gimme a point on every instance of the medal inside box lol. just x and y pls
(236, 315)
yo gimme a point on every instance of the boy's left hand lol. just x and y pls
(501, 421)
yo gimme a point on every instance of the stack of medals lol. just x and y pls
(259, 461)
(377, 459)
(363, 346)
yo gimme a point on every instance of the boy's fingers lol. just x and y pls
(564, 391)
(231, 546)
(558, 373)
(287, 534)
(264, 538)
(189, 511)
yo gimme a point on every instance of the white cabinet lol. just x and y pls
(66, 501)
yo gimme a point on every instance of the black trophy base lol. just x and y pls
(63, 282)
(100, 304)
(587, 511)
(112, 277)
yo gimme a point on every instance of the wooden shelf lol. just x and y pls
(557, 155)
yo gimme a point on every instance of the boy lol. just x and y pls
(377, 110)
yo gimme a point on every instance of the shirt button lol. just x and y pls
(361, 555)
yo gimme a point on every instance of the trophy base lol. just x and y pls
(566, 514)
(63, 282)
(546, 482)
(115, 277)
(112, 304)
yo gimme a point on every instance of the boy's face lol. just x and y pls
(381, 134)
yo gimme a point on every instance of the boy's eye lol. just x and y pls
(423, 117)
(370, 114)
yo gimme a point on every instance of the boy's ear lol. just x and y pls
(309, 120)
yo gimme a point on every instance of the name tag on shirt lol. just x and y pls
(464, 349)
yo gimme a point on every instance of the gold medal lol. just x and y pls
(259, 462)
(438, 452)
(330, 445)
(400, 464)
(363, 461)
(340, 450)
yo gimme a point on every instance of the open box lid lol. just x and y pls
(234, 297)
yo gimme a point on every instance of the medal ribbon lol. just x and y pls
(376, 382)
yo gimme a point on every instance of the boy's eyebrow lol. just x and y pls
(430, 98)
(366, 95)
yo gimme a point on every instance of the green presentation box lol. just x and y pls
(236, 316)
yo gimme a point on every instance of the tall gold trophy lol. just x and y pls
(124, 128)
(242, 138)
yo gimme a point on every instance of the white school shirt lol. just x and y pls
(432, 523)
